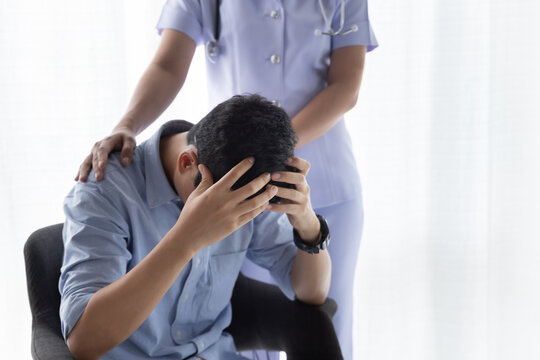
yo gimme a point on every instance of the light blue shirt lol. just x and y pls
(270, 47)
(113, 224)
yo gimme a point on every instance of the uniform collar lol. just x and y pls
(158, 189)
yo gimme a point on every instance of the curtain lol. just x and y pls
(446, 134)
(448, 137)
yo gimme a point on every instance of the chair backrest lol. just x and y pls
(43, 254)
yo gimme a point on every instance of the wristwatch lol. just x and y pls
(324, 239)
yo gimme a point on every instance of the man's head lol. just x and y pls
(240, 127)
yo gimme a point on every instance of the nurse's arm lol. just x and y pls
(161, 81)
(157, 88)
(326, 108)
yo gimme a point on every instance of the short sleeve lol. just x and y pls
(272, 248)
(95, 250)
(356, 14)
(184, 16)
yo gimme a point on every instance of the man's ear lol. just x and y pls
(187, 161)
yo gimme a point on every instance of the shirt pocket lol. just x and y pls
(224, 269)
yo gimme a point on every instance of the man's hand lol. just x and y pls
(296, 203)
(310, 273)
(213, 211)
(121, 139)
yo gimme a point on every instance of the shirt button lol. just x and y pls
(186, 297)
(197, 261)
(178, 333)
(274, 14)
(202, 344)
(275, 59)
(276, 103)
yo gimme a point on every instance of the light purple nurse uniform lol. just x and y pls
(269, 47)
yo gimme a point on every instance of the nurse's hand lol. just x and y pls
(120, 139)
(296, 203)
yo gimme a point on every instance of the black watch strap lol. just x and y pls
(322, 244)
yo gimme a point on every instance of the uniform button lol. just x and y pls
(197, 261)
(202, 344)
(275, 59)
(276, 103)
(274, 14)
(178, 333)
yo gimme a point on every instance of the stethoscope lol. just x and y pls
(212, 49)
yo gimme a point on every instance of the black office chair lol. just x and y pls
(263, 318)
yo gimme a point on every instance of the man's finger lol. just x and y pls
(290, 194)
(252, 187)
(243, 219)
(299, 163)
(236, 172)
(289, 177)
(258, 201)
(286, 208)
(207, 179)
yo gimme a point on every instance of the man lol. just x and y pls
(153, 251)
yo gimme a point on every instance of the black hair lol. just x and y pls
(243, 126)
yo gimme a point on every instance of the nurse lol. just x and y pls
(307, 56)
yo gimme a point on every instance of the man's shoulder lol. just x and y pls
(118, 180)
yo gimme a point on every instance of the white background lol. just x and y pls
(447, 138)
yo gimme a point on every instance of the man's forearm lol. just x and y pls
(117, 310)
(310, 276)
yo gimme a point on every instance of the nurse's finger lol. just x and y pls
(84, 169)
(128, 146)
(302, 165)
(101, 152)
(99, 158)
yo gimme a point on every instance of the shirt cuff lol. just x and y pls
(71, 309)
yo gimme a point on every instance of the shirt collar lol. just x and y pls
(158, 189)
